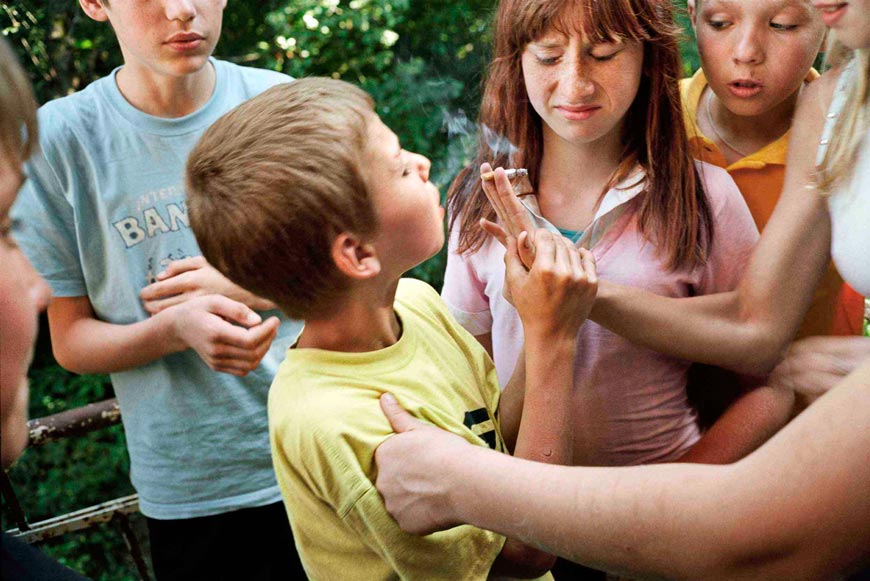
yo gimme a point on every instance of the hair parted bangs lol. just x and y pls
(675, 210)
(274, 181)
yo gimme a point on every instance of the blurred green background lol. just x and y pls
(422, 62)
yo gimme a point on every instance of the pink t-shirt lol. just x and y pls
(629, 402)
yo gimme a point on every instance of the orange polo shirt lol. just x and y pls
(836, 308)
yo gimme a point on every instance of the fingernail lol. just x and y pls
(254, 319)
(388, 397)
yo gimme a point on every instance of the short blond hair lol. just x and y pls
(271, 185)
(18, 125)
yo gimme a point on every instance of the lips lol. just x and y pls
(578, 112)
(745, 88)
(831, 12)
(183, 41)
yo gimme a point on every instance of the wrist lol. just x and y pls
(166, 328)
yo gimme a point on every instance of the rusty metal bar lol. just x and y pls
(78, 520)
(12, 502)
(133, 545)
(74, 422)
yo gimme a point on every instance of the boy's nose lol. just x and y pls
(749, 48)
(423, 166)
(182, 10)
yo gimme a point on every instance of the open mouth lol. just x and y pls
(745, 88)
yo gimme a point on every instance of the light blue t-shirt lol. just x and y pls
(102, 213)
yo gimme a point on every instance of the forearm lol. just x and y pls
(545, 432)
(510, 404)
(715, 329)
(540, 409)
(749, 422)
(88, 345)
(797, 506)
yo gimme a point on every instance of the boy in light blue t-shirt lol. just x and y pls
(104, 220)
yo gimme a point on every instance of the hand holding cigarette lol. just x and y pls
(510, 173)
(511, 213)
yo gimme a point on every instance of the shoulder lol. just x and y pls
(60, 119)
(253, 80)
(412, 292)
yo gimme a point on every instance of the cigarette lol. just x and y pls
(510, 173)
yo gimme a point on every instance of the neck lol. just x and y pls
(365, 321)
(163, 95)
(577, 172)
(747, 134)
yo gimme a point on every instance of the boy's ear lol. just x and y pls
(690, 6)
(95, 9)
(354, 258)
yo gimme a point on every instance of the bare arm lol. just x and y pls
(748, 329)
(553, 299)
(797, 507)
(745, 330)
(749, 422)
(84, 344)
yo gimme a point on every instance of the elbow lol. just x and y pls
(67, 358)
(761, 352)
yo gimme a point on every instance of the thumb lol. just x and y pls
(400, 419)
(233, 311)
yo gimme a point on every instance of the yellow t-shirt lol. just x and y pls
(325, 423)
(836, 309)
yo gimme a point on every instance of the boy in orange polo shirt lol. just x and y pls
(756, 57)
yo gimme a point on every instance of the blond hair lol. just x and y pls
(853, 121)
(18, 126)
(272, 183)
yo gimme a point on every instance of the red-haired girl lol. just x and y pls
(588, 93)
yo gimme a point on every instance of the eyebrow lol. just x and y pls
(778, 6)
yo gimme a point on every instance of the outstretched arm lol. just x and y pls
(797, 507)
(748, 329)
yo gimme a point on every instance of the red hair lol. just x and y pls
(674, 210)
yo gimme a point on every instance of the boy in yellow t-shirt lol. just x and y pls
(306, 196)
(755, 59)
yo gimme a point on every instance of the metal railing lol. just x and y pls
(70, 424)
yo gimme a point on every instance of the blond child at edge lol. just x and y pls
(756, 58)
(305, 197)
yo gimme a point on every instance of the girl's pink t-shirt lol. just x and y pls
(629, 402)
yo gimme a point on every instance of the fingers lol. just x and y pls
(232, 311)
(165, 287)
(155, 306)
(495, 231)
(513, 264)
(589, 266)
(400, 419)
(176, 267)
(545, 250)
(501, 195)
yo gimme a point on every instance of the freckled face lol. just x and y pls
(22, 295)
(757, 54)
(582, 91)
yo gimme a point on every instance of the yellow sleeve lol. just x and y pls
(463, 552)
